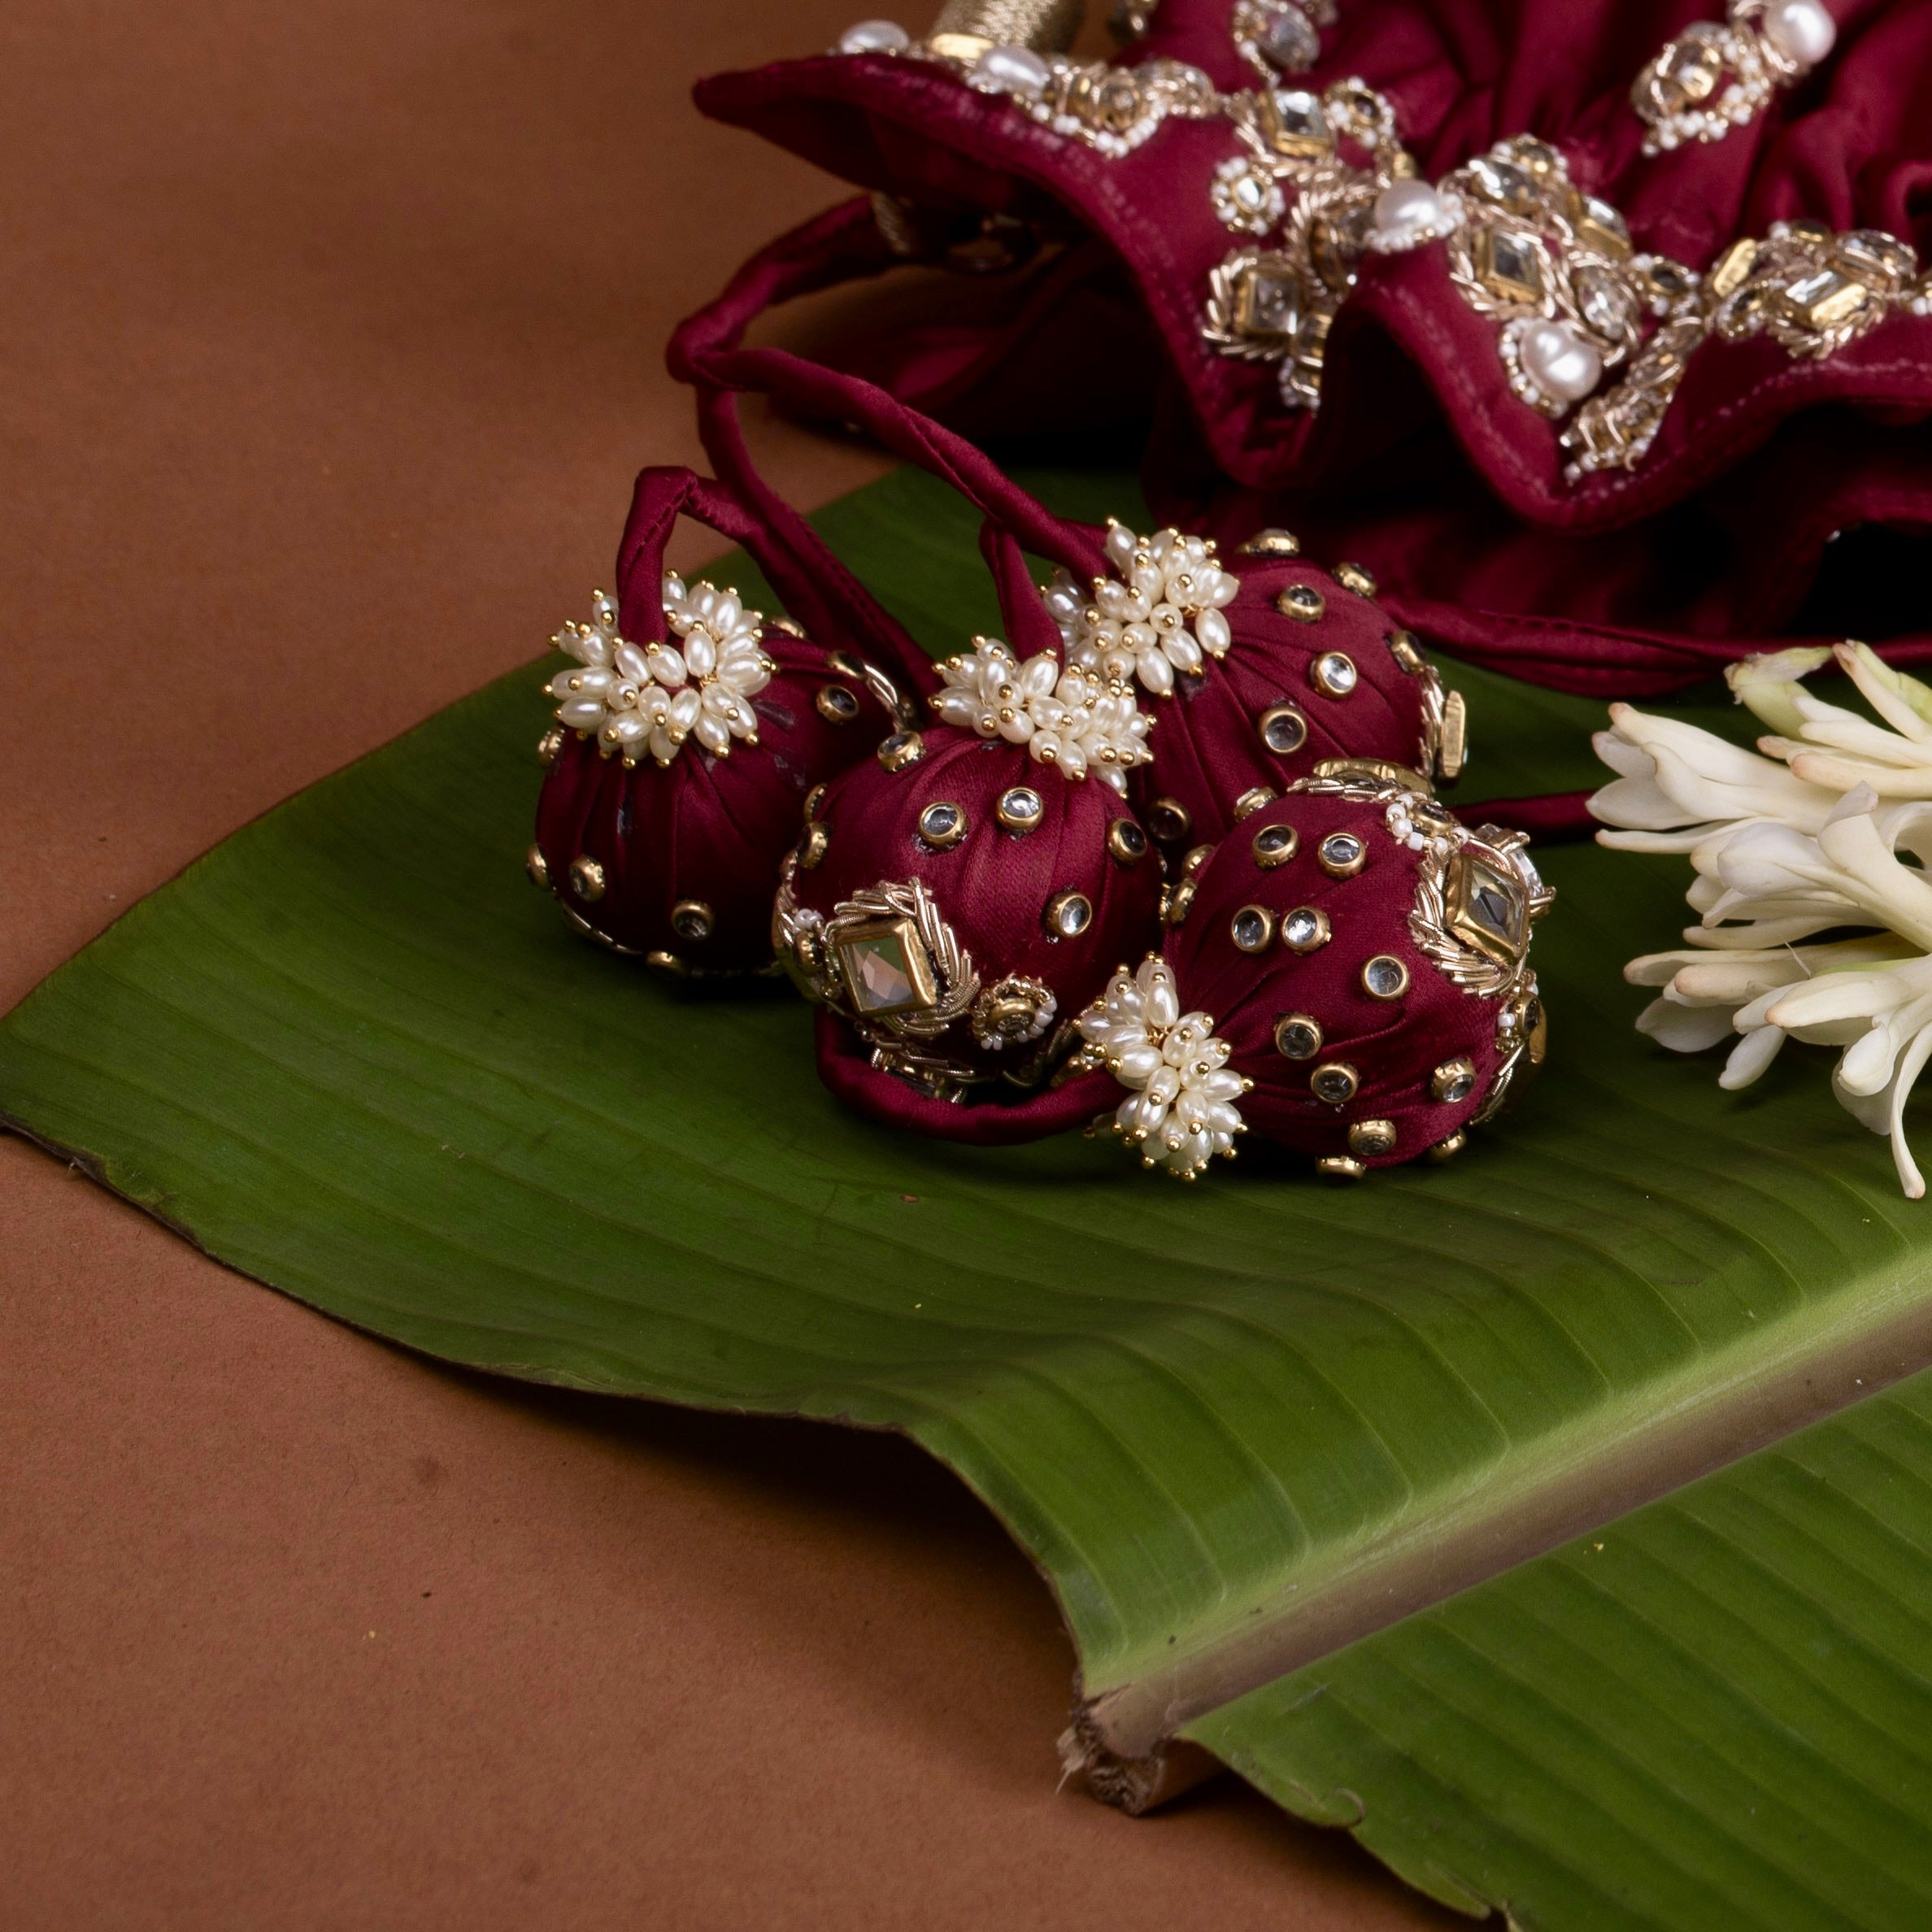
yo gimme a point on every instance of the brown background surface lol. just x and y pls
(329, 341)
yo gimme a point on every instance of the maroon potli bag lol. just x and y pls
(691, 729)
(969, 906)
(1591, 327)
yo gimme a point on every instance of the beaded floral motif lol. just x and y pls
(1180, 1112)
(1068, 719)
(652, 697)
(1719, 75)
(1158, 616)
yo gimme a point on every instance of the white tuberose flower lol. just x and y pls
(653, 697)
(1159, 614)
(1181, 1112)
(1068, 718)
(1786, 846)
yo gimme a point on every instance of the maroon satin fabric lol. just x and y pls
(1421, 462)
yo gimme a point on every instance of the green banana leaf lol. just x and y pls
(1239, 1426)
(1716, 1713)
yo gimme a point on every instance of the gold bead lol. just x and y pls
(1302, 602)
(1275, 845)
(692, 919)
(586, 877)
(1339, 1167)
(1372, 1138)
(1126, 841)
(1353, 576)
(1068, 914)
(537, 866)
(836, 704)
(902, 748)
(1447, 1149)
(1455, 1080)
(811, 848)
(549, 745)
(1272, 542)
(1169, 822)
(1252, 800)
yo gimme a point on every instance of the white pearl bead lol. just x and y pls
(1559, 361)
(1407, 208)
(875, 36)
(1801, 30)
(1017, 69)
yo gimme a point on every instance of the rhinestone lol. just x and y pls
(1372, 1138)
(1334, 672)
(1402, 647)
(1503, 183)
(886, 968)
(1689, 71)
(537, 866)
(1020, 809)
(1667, 282)
(1298, 1036)
(1454, 753)
(1342, 855)
(1334, 1081)
(902, 749)
(549, 745)
(1283, 728)
(1305, 928)
(1295, 124)
(1599, 226)
(1509, 265)
(1302, 602)
(1288, 39)
(1728, 273)
(1339, 1167)
(1874, 256)
(1179, 902)
(811, 848)
(1824, 300)
(1252, 929)
(1351, 577)
(1168, 821)
(691, 919)
(1276, 844)
(1385, 977)
(1447, 1149)
(1068, 914)
(1608, 303)
(1126, 841)
(1272, 542)
(1251, 801)
(942, 824)
(586, 877)
(1454, 1080)
(845, 664)
(1195, 860)
(1267, 303)
(835, 703)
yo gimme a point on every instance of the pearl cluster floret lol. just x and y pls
(1160, 615)
(1180, 1112)
(1070, 719)
(638, 697)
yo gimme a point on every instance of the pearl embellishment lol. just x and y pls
(1010, 70)
(875, 36)
(1801, 30)
(1408, 213)
(1559, 361)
